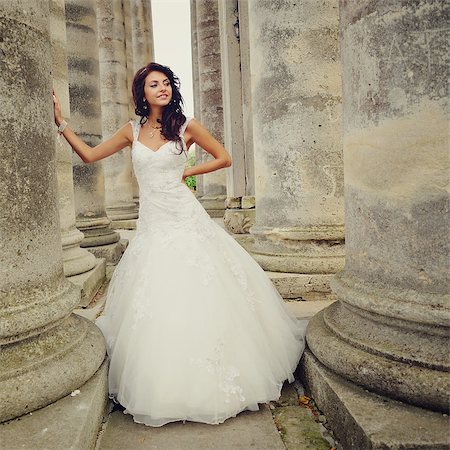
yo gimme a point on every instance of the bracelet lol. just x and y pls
(62, 126)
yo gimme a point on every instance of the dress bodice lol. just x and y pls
(158, 170)
(164, 199)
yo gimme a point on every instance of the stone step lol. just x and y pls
(249, 429)
(71, 423)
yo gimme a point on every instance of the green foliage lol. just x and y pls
(191, 181)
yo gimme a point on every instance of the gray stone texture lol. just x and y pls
(389, 331)
(364, 420)
(142, 32)
(86, 118)
(196, 88)
(247, 107)
(296, 96)
(114, 97)
(90, 282)
(249, 429)
(140, 50)
(45, 351)
(76, 260)
(233, 130)
(71, 423)
(211, 108)
(240, 175)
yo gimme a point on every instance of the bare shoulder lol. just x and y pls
(194, 125)
(193, 131)
(127, 131)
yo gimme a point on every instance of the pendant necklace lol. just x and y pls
(152, 133)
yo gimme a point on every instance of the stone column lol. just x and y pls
(80, 266)
(45, 351)
(114, 96)
(138, 20)
(389, 330)
(196, 89)
(211, 109)
(129, 60)
(86, 121)
(240, 213)
(247, 109)
(296, 94)
(142, 32)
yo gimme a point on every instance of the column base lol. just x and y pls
(97, 231)
(214, 204)
(303, 287)
(36, 372)
(128, 224)
(398, 359)
(72, 419)
(76, 259)
(363, 420)
(90, 282)
(240, 214)
(122, 212)
(111, 252)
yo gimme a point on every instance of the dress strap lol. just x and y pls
(135, 126)
(185, 124)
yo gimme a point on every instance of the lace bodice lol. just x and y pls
(158, 170)
(164, 199)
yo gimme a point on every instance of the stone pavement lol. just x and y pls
(281, 425)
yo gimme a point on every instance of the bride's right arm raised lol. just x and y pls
(122, 138)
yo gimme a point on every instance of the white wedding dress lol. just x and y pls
(194, 328)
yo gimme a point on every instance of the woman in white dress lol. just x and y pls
(194, 328)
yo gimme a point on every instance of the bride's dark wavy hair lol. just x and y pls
(172, 116)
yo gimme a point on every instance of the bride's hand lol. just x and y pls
(57, 109)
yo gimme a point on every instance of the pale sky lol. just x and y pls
(172, 40)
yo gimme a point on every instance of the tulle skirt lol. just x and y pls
(195, 330)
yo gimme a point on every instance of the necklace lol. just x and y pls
(152, 133)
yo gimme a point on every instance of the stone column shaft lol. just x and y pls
(389, 330)
(211, 109)
(114, 96)
(79, 264)
(240, 213)
(142, 32)
(296, 94)
(196, 89)
(247, 109)
(139, 32)
(84, 90)
(45, 351)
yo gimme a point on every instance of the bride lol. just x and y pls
(194, 328)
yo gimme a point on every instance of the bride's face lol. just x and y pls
(157, 89)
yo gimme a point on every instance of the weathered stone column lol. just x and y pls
(196, 89)
(139, 28)
(129, 61)
(211, 109)
(45, 351)
(114, 96)
(296, 94)
(240, 213)
(80, 266)
(142, 32)
(86, 119)
(389, 330)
